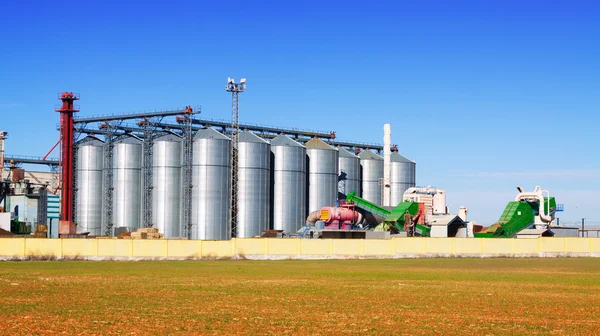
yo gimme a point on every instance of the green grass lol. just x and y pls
(410, 296)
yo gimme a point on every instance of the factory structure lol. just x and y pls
(281, 179)
(172, 170)
(188, 177)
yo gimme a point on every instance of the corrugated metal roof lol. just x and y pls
(250, 137)
(368, 155)
(345, 153)
(318, 144)
(168, 137)
(396, 157)
(126, 139)
(210, 133)
(282, 140)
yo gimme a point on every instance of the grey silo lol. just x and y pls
(127, 183)
(349, 173)
(322, 174)
(89, 169)
(402, 177)
(167, 161)
(372, 173)
(289, 184)
(253, 181)
(210, 186)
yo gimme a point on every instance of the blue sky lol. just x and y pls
(484, 95)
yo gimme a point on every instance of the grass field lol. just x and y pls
(412, 297)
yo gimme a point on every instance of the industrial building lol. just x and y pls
(173, 171)
(192, 178)
(280, 180)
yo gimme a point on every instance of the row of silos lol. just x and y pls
(279, 182)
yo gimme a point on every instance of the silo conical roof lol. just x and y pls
(210, 133)
(90, 141)
(316, 143)
(282, 140)
(168, 137)
(127, 139)
(250, 137)
(368, 155)
(396, 157)
(345, 153)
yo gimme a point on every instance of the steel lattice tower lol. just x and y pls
(75, 180)
(186, 121)
(235, 89)
(150, 133)
(108, 131)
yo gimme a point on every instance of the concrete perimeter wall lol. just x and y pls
(122, 249)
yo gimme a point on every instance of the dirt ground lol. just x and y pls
(400, 297)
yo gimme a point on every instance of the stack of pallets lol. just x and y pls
(41, 231)
(147, 233)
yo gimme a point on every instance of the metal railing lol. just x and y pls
(586, 233)
(134, 115)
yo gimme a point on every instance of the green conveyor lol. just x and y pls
(516, 217)
(395, 217)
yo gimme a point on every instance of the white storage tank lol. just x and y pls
(89, 170)
(372, 174)
(402, 177)
(167, 157)
(289, 184)
(349, 176)
(210, 186)
(253, 180)
(127, 183)
(322, 174)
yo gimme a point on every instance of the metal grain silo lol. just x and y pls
(289, 184)
(90, 165)
(322, 174)
(372, 172)
(349, 177)
(402, 177)
(210, 186)
(254, 167)
(127, 183)
(167, 159)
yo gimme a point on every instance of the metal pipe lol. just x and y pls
(51, 149)
(538, 194)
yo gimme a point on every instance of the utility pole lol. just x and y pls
(235, 89)
(583, 227)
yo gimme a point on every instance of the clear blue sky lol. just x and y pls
(484, 95)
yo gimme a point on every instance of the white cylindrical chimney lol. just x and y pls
(387, 153)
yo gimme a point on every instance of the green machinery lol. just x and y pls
(17, 227)
(391, 218)
(528, 209)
